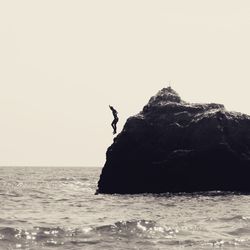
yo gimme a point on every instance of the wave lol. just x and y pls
(240, 231)
(127, 229)
(135, 228)
(143, 232)
(67, 179)
(236, 218)
(61, 179)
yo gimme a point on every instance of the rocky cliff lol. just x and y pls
(175, 146)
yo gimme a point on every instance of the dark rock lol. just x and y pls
(175, 146)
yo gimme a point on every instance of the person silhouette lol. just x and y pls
(116, 119)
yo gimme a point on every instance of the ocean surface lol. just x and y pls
(55, 208)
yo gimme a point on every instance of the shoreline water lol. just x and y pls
(57, 209)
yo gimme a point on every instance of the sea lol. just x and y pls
(56, 208)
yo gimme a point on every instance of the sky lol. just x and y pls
(63, 62)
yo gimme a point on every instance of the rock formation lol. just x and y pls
(175, 146)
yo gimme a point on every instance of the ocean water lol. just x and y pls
(55, 208)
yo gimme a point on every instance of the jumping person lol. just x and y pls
(116, 119)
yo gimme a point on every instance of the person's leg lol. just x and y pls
(113, 125)
(115, 122)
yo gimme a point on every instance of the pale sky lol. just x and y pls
(63, 62)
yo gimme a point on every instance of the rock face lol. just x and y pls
(175, 146)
